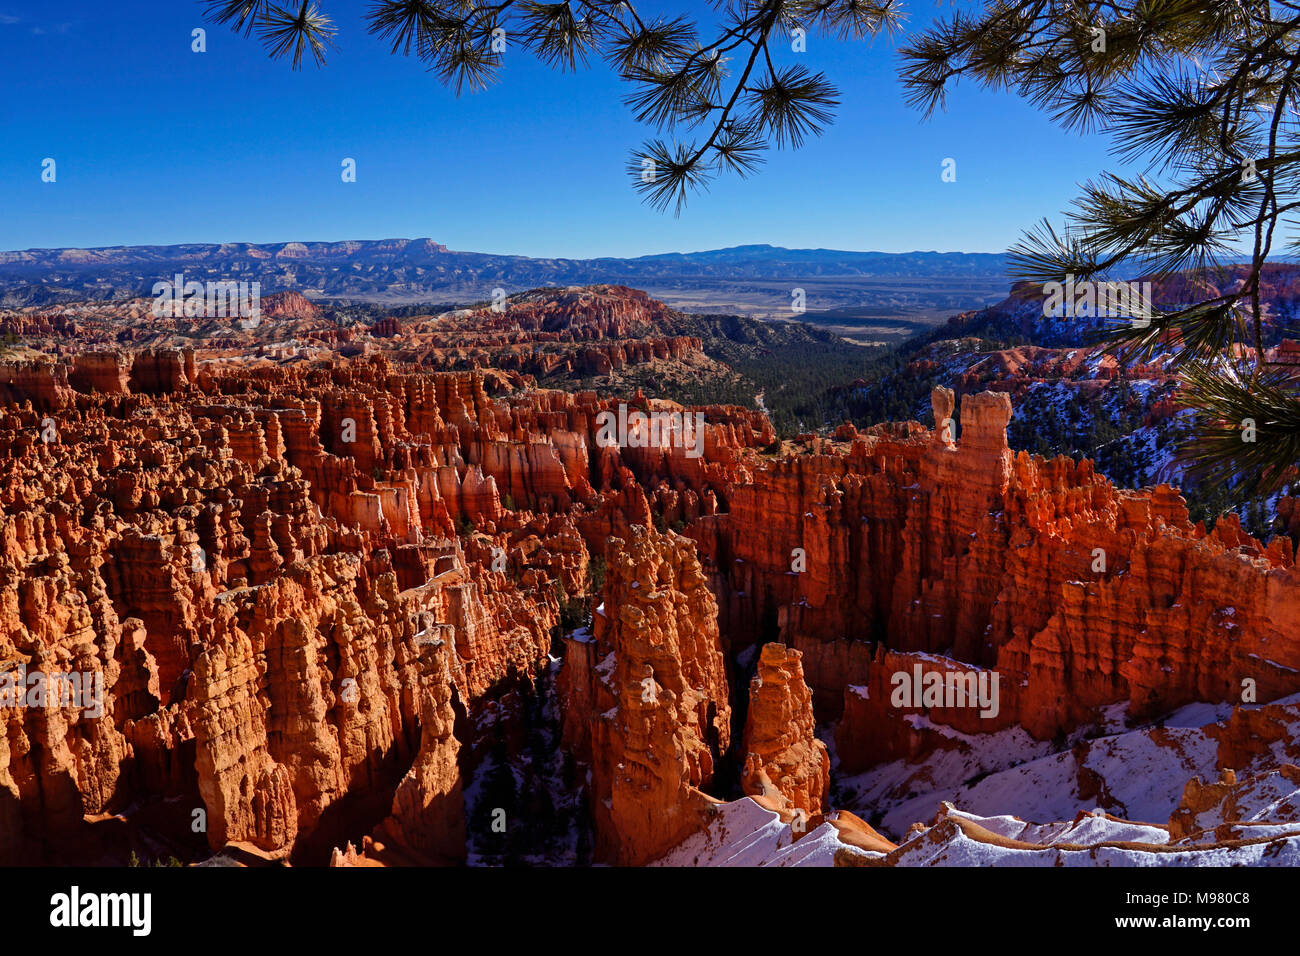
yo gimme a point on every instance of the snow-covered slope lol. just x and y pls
(1138, 774)
(744, 833)
(963, 839)
(1136, 797)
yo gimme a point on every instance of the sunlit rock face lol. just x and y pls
(314, 586)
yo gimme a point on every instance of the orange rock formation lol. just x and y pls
(650, 710)
(783, 758)
(304, 583)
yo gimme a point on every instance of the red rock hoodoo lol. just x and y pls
(324, 579)
(783, 758)
(651, 714)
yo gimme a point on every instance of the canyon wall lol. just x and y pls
(301, 587)
(948, 543)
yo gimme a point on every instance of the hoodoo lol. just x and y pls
(345, 608)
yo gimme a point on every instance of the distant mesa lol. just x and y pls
(288, 305)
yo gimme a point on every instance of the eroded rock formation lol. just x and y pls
(311, 577)
(652, 715)
(784, 760)
(1078, 594)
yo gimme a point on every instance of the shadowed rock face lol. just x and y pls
(259, 606)
(308, 586)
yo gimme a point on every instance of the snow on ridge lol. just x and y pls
(961, 846)
(744, 833)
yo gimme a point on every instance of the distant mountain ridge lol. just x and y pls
(421, 270)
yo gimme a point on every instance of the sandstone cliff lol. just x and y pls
(314, 580)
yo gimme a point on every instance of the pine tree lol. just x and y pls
(1206, 95)
(726, 84)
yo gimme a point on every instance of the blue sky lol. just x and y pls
(158, 144)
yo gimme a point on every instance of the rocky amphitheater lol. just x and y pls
(327, 581)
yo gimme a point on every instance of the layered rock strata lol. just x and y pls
(650, 711)
(294, 579)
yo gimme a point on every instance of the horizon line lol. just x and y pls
(522, 255)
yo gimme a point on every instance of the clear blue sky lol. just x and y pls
(157, 144)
